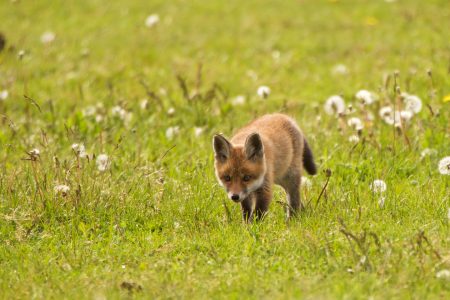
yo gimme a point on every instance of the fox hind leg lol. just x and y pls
(291, 184)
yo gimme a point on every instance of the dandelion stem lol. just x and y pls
(328, 174)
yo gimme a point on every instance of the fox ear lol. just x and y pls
(254, 147)
(222, 148)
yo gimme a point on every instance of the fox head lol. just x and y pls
(239, 168)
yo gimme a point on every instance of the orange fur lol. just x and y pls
(270, 150)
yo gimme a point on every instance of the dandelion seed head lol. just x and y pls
(354, 122)
(305, 182)
(98, 118)
(4, 94)
(61, 189)
(381, 202)
(413, 104)
(378, 186)
(365, 97)
(89, 111)
(171, 111)
(238, 100)
(386, 112)
(21, 53)
(428, 152)
(144, 104)
(263, 91)
(170, 132)
(334, 105)
(354, 139)
(34, 152)
(198, 131)
(47, 37)
(103, 162)
(444, 166)
(339, 69)
(443, 274)
(152, 20)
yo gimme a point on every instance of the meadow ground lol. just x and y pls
(142, 216)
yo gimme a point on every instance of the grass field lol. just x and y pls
(143, 215)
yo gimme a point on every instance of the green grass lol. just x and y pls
(159, 219)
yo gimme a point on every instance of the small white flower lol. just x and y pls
(305, 182)
(263, 91)
(47, 37)
(386, 112)
(428, 152)
(378, 186)
(365, 97)
(198, 131)
(170, 132)
(3, 94)
(176, 225)
(171, 111)
(152, 20)
(35, 152)
(354, 122)
(61, 188)
(413, 104)
(123, 266)
(354, 139)
(444, 274)
(339, 69)
(144, 104)
(334, 105)
(21, 53)
(98, 118)
(381, 202)
(103, 162)
(238, 100)
(444, 166)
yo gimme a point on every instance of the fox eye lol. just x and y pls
(227, 178)
(246, 177)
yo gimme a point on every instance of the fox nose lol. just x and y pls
(235, 197)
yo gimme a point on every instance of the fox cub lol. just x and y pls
(270, 150)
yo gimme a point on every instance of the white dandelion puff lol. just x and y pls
(353, 139)
(171, 111)
(116, 110)
(35, 152)
(61, 188)
(381, 202)
(334, 105)
(47, 37)
(103, 162)
(263, 91)
(305, 182)
(238, 100)
(98, 118)
(170, 132)
(198, 131)
(428, 152)
(89, 111)
(378, 186)
(444, 274)
(339, 69)
(152, 20)
(365, 97)
(386, 112)
(144, 104)
(354, 122)
(413, 104)
(4, 94)
(404, 116)
(444, 166)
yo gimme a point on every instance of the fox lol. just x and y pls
(270, 150)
